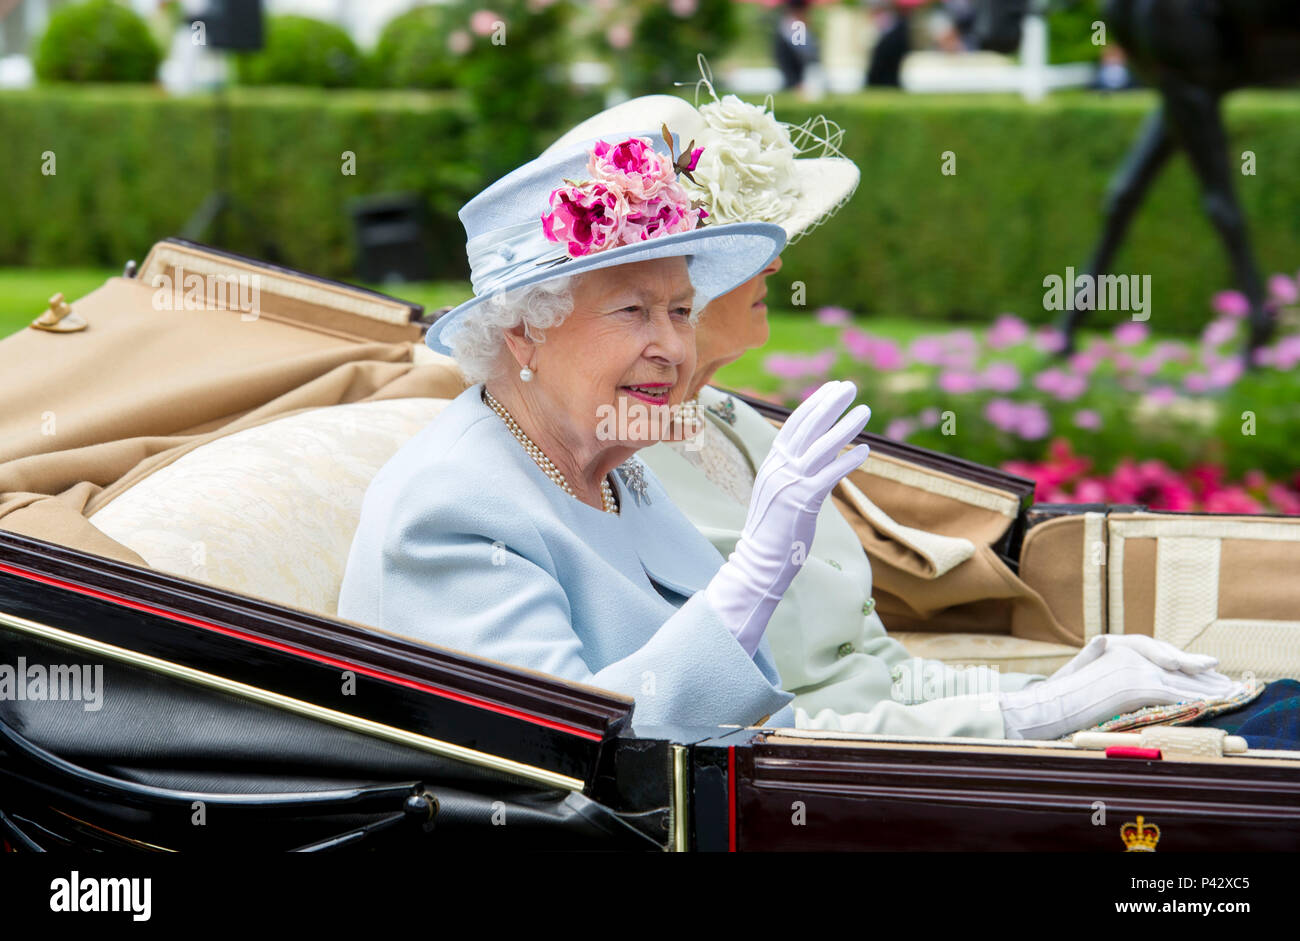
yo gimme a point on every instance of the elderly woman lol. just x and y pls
(830, 645)
(519, 525)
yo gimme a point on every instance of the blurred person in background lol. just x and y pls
(794, 46)
(894, 20)
(1113, 73)
(950, 26)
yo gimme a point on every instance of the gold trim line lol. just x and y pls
(681, 842)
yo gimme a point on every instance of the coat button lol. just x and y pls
(844, 650)
(833, 563)
(869, 605)
(896, 674)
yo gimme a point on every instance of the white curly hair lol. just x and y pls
(476, 341)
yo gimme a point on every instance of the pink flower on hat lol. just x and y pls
(662, 215)
(633, 196)
(589, 217)
(632, 166)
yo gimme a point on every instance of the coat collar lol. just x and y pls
(672, 551)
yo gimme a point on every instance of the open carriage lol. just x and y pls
(179, 484)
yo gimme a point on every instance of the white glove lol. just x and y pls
(1113, 674)
(789, 489)
(1157, 651)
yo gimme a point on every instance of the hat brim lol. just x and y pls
(719, 259)
(825, 184)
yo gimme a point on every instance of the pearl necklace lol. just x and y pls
(544, 462)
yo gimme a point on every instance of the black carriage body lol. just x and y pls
(225, 720)
(229, 730)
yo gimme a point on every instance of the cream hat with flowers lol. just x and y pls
(753, 167)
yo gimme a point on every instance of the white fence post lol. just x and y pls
(1033, 58)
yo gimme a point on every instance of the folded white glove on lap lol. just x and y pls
(1157, 651)
(1112, 674)
(789, 489)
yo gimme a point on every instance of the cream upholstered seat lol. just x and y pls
(269, 511)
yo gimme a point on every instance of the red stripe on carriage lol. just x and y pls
(1131, 751)
(306, 654)
(731, 798)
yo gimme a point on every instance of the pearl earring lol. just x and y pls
(526, 375)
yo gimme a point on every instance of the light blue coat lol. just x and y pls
(465, 543)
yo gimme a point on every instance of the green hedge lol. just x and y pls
(300, 50)
(1070, 32)
(412, 51)
(133, 165)
(97, 41)
(1025, 202)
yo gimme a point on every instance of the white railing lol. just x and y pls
(941, 72)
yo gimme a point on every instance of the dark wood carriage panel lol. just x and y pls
(824, 797)
(491, 708)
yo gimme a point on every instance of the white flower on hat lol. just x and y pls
(747, 170)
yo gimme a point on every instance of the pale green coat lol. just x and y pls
(830, 646)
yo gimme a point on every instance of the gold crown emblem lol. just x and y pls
(1139, 837)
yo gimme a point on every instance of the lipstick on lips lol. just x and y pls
(652, 393)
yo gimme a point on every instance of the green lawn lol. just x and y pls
(799, 332)
(25, 292)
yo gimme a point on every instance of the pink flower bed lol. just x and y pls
(1064, 478)
(1171, 423)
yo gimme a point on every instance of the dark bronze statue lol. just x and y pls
(1192, 52)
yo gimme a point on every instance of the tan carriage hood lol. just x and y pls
(89, 411)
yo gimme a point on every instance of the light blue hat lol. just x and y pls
(508, 249)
